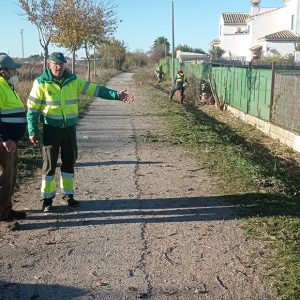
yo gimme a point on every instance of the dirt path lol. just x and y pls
(149, 226)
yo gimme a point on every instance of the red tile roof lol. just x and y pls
(235, 18)
(281, 36)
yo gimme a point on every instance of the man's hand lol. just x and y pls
(33, 139)
(10, 145)
(125, 97)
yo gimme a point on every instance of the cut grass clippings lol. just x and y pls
(259, 176)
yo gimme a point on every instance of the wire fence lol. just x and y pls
(286, 100)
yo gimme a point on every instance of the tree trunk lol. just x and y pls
(89, 64)
(45, 56)
(73, 61)
(95, 62)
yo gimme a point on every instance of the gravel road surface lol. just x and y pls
(149, 225)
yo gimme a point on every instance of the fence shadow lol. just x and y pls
(116, 162)
(159, 210)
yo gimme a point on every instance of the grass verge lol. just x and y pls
(258, 175)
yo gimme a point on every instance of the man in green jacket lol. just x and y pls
(53, 99)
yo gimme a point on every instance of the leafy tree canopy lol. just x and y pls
(161, 41)
(186, 48)
(216, 52)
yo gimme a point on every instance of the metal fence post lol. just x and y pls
(272, 91)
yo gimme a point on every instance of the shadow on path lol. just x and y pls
(116, 162)
(12, 290)
(185, 209)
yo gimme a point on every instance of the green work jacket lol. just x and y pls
(55, 102)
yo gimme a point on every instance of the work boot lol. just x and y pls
(71, 201)
(12, 215)
(47, 205)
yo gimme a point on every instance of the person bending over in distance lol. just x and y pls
(180, 82)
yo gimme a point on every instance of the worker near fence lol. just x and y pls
(53, 99)
(159, 74)
(180, 82)
(12, 129)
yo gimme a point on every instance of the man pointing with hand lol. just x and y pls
(53, 100)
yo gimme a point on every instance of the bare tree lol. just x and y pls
(100, 24)
(42, 14)
(160, 49)
(158, 52)
(69, 24)
(114, 50)
(90, 24)
(161, 40)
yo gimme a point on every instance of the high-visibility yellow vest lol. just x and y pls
(10, 104)
(180, 78)
(12, 111)
(56, 101)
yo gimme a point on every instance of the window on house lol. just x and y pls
(292, 22)
(248, 29)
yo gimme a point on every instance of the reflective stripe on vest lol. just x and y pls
(13, 115)
(61, 117)
(37, 101)
(85, 88)
(97, 91)
(58, 102)
(13, 120)
(4, 111)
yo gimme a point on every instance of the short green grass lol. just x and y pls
(260, 177)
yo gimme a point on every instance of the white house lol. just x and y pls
(261, 32)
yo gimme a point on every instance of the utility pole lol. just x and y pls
(165, 51)
(94, 61)
(173, 42)
(22, 40)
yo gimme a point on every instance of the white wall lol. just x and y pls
(269, 22)
(295, 7)
(230, 29)
(232, 42)
(274, 21)
(282, 48)
(235, 43)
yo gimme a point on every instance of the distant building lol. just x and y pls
(261, 32)
(191, 57)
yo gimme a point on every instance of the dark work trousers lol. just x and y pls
(8, 175)
(178, 87)
(59, 141)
